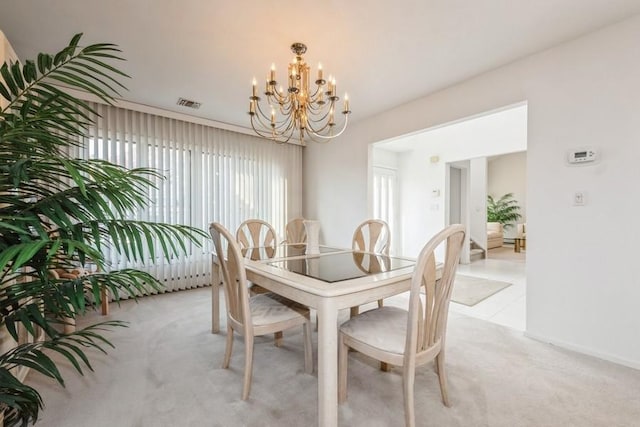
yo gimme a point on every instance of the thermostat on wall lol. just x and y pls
(582, 155)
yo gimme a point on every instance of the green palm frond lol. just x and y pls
(22, 403)
(505, 210)
(57, 212)
(46, 302)
(38, 110)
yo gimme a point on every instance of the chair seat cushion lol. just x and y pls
(384, 328)
(272, 308)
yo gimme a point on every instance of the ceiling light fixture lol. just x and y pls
(296, 110)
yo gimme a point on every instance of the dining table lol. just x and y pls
(328, 281)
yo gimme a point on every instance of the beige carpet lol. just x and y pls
(165, 372)
(470, 290)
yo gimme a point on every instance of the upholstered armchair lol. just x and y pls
(495, 235)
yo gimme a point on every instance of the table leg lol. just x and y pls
(215, 298)
(104, 300)
(517, 246)
(327, 364)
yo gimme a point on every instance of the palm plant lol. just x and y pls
(504, 210)
(57, 211)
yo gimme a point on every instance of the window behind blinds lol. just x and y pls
(211, 175)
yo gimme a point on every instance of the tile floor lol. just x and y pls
(507, 307)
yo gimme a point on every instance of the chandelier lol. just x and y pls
(297, 110)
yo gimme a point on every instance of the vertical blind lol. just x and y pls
(211, 175)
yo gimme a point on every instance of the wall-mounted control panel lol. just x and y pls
(582, 155)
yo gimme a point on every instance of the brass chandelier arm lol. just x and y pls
(269, 126)
(276, 130)
(263, 132)
(333, 133)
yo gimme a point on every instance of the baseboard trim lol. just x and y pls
(585, 350)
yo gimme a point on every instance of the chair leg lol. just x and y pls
(69, 325)
(308, 348)
(278, 339)
(354, 311)
(228, 348)
(380, 303)
(104, 300)
(409, 413)
(385, 367)
(248, 366)
(343, 362)
(442, 378)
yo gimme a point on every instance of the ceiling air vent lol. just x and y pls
(188, 103)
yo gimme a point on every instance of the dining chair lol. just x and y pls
(371, 236)
(413, 337)
(256, 233)
(295, 232)
(256, 315)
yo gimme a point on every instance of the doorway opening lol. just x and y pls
(443, 176)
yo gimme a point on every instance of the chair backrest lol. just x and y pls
(427, 323)
(371, 263)
(234, 279)
(255, 233)
(372, 236)
(295, 231)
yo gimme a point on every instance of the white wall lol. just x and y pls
(478, 201)
(508, 174)
(384, 158)
(582, 288)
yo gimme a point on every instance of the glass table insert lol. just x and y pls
(335, 267)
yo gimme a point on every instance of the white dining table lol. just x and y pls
(327, 283)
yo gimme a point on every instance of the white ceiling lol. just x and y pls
(383, 53)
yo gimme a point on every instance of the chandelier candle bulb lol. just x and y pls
(319, 73)
(292, 78)
(346, 103)
(254, 87)
(273, 73)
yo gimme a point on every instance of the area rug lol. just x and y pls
(507, 253)
(470, 290)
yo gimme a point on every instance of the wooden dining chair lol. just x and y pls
(256, 315)
(371, 236)
(256, 233)
(413, 337)
(295, 232)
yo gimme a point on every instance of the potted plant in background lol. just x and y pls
(57, 212)
(505, 210)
